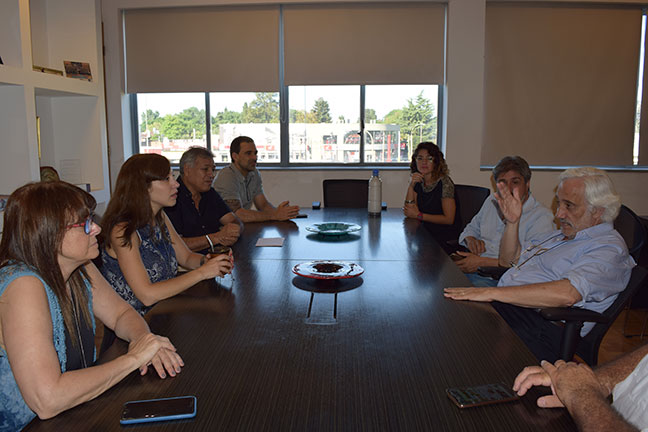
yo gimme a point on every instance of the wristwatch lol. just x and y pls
(419, 216)
(409, 201)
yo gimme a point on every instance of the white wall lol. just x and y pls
(464, 113)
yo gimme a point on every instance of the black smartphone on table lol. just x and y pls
(467, 397)
(151, 410)
(454, 256)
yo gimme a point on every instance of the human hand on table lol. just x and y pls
(285, 211)
(228, 234)
(469, 293)
(158, 351)
(411, 210)
(469, 263)
(568, 381)
(475, 245)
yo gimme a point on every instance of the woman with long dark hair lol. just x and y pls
(50, 293)
(430, 194)
(142, 250)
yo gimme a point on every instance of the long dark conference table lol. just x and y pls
(256, 360)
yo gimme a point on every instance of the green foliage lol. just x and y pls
(263, 109)
(301, 116)
(394, 117)
(321, 111)
(225, 117)
(149, 117)
(187, 124)
(418, 121)
(370, 115)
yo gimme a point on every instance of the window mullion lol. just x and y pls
(362, 124)
(208, 121)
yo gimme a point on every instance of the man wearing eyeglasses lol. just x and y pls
(584, 264)
(483, 234)
(240, 186)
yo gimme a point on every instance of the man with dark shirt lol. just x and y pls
(200, 215)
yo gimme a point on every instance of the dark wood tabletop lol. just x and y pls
(257, 361)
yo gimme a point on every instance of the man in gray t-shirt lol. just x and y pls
(240, 186)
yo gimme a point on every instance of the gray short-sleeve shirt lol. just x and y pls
(231, 185)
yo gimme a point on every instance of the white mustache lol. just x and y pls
(565, 222)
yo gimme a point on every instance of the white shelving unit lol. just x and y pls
(71, 111)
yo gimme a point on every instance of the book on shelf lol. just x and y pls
(77, 70)
(47, 70)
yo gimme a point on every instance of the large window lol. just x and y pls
(318, 84)
(325, 123)
(171, 123)
(251, 114)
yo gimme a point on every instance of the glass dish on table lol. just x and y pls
(334, 228)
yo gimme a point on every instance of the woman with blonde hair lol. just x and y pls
(50, 293)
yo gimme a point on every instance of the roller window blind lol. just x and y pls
(385, 43)
(202, 49)
(560, 83)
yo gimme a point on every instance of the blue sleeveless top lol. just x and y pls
(159, 259)
(14, 412)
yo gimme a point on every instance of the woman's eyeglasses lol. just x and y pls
(87, 224)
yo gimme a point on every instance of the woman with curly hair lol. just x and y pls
(430, 194)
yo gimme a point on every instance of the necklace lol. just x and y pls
(78, 329)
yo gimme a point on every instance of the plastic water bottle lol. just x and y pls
(375, 194)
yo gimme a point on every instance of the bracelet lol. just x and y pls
(419, 216)
(211, 245)
(409, 201)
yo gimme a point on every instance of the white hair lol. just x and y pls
(599, 190)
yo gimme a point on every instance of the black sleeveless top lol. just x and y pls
(74, 359)
(430, 203)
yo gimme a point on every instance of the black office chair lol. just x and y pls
(346, 193)
(469, 200)
(629, 225)
(632, 229)
(587, 347)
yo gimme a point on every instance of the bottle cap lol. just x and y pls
(375, 172)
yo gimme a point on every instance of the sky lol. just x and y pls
(343, 100)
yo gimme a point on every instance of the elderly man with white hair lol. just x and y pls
(584, 264)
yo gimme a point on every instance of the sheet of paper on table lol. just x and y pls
(270, 241)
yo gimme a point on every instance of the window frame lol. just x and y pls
(284, 133)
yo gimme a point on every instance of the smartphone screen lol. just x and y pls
(481, 395)
(159, 409)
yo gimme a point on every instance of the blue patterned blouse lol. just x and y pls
(14, 412)
(159, 259)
